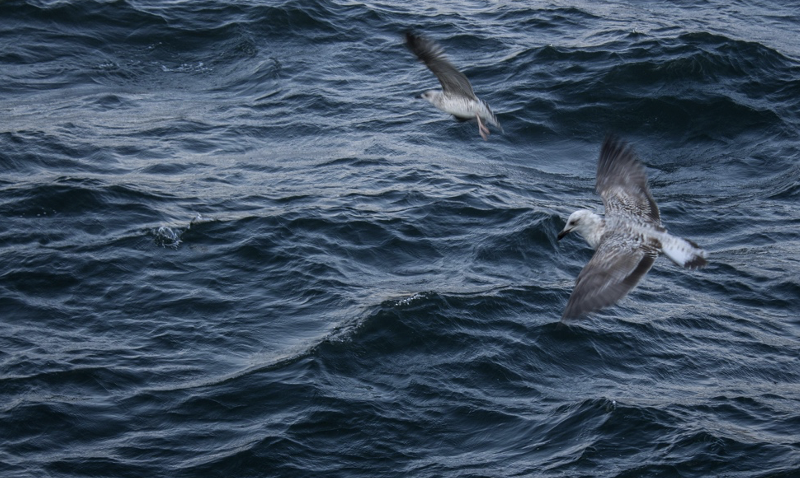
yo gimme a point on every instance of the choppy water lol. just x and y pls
(235, 244)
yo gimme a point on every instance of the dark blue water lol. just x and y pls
(234, 244)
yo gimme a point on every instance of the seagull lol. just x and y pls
(629, 238)
(456, 96)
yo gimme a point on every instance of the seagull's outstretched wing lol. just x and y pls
(616, 267)
(622, 183)
(429, 52)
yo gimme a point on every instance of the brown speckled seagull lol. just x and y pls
(456, 96)
(629, 238)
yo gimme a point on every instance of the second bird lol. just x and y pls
(456, 96)
(627, 240)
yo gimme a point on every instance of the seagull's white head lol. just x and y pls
(586, 223)
(432, 96)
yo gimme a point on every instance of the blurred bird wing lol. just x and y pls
(429, 52)
(617, 266)
(622, 183)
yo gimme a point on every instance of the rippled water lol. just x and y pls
(235, 244)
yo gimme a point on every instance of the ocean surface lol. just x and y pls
(235, 243)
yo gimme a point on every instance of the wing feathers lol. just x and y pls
(612, 272)
(430, 53)
(622, 182)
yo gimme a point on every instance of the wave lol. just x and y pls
(368, 289)
(663, 84)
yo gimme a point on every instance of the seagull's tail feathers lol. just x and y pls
(684, 252)
(490, 117)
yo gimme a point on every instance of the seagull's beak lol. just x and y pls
(563, 233)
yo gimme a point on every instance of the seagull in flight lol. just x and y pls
(456, 96)
(627, 240)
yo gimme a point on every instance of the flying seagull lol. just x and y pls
(629, 238)
(456, 96)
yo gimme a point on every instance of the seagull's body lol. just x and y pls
(456, 96)
(627, 240)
